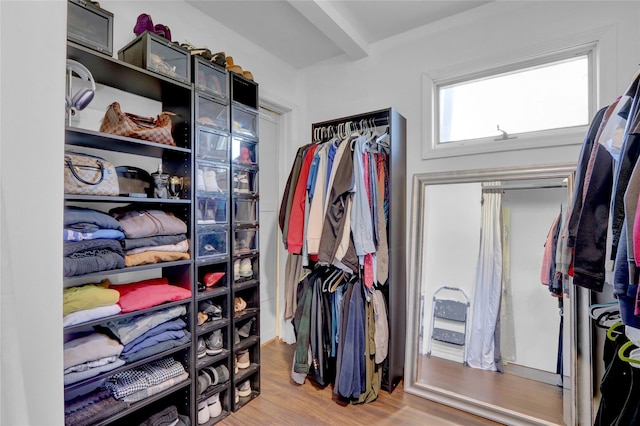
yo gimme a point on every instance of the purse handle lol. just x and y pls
(75, 174)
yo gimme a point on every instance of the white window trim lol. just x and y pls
(603, 45)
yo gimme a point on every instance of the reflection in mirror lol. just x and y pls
(492, 333)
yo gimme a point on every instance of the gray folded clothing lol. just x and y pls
(158, 240)
(95, 412)
(84, 257)
(165, 417)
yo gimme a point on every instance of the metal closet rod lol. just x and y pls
(381, 118)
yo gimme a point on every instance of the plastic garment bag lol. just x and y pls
(486, 299)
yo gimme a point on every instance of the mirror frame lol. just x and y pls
(579, 325)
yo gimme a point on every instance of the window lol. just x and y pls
(549, 96)
(543, 101)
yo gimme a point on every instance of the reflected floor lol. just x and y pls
(526, 396)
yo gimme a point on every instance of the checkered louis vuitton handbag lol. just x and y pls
(86, 174)
(135, 126)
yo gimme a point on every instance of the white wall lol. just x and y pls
(450, 256)
(536, 318)
(392, 74)
(33, 46)
(31, 151)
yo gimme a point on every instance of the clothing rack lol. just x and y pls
(323, 132)
(395, 289)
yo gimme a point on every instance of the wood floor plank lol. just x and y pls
(282, 402)
(526, 396)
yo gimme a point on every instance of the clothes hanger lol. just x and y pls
(607, 319)
(614, 329)
(596, 310)
(634, 355)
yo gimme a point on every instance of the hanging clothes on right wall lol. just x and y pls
(600, 243)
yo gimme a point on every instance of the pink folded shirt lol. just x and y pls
(147, 293)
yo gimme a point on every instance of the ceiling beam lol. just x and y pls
(334, 25)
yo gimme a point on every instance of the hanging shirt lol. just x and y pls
(296, 218)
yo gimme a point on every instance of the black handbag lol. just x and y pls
(134, 182)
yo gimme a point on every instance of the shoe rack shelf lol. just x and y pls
(221, 217)
(246, 233)
(226, 224)
(109, 74)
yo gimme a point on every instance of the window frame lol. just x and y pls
(431, 81)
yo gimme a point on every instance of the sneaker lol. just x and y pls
(203, 413)
(246, 268)
(239, 304)
(200, 180)
(243, 360)
(202, 318)
(214, 343)
(235, 368)
(202, 348)
(218, 375)
(211, 310)
(243, 183)
(236, 270)
(236, 336)
(223, 373)
(244, 389)
(245, 330)
(211, 181)
(204, 381)
(215, 408)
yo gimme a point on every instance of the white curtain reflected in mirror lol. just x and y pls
(484, 236)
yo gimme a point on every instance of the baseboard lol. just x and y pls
(532, 373)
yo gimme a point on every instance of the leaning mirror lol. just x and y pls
(490, 332)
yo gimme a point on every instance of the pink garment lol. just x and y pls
(147, 293)
(547, 257)
(636, 235)
(295, 236)
(368, 270)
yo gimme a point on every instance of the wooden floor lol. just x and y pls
(530, 397)
(282, 402)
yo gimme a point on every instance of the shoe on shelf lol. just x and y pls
(243, 359)
(235, 368)
(143, 23)
(204, 381)
(244, 389)
(203, 412)
(212, 278)
(239, 304)
(218, 375)
(219, 58)
(200, 180)
(202, 348)
(231, 66)
(243, 183)
(236, 269)
(236, 336)
(214, 343)
(211, 181)
(202, 318)
(215, 408)
(245, 330)
(246, 268)
(212, 311)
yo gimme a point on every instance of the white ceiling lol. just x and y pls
(304, 32)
